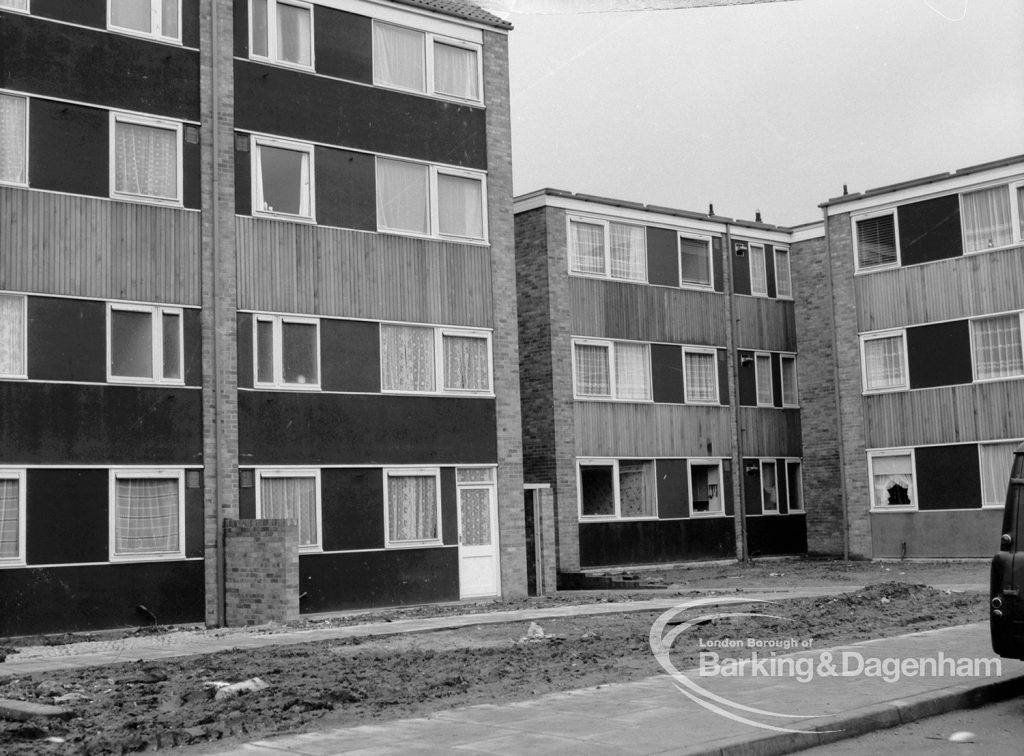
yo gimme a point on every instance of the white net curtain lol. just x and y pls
(13, 139)
(291, 498)
(699, 377)
(996, 462)
(628, 252)
(407, 358)
(986, 219)
(997, 347)
(146, 516)
(883, 359)
(893, 480)
(456, 71)
(632, 371)
(398, 57)
(586, 245)
(293, 34)
(460, 206)
(402, 196)
(9, 511)
(145, 160)
(466, 363)
(12, 335)
(412, 508)
(593, 377)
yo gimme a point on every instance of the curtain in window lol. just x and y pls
(455, 71)
(699, 377)
(9, 511)
(474, 475)
(16, 4)
(399, 57)
(291, 498)
(283, 180)
(460, 206)
(987, 219)
(893, 480)
(996, 461)
(146, 516)
(132, 14)
(475, 523)
(628, 252)
(465, 363)
(412, 508)
(402, 196)
(293, 38)
(997, 347)
(12, 335)
(789, 380)
(13, 139)
(763, 370)
(586, 247)
(593, 376)
(632, 371)
(635, 496)
(407, 358)
(884, 362)
(770, 485)
(694, 263)
(783, 276)
(145, 160)
(758, 274)
(260, 32)
(876, 241)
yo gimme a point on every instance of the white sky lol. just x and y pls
(769, 107)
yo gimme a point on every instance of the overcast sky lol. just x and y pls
(769, 107)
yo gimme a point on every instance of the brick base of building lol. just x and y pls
(261, 571)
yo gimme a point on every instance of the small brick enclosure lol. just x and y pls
(261, 565)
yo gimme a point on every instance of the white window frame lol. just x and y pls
(156, 313)
(707, 462)
(145, 474)
(439, 332)
(686, 384)
(891, 333)
(1016, 238)
(855, 219)
(28, 108)
(614, 463)
(18, 474)
(761, 462)
(874, 454)
(974, 363)
(116, 117)
(394, 472)
(757, 380)
(753, 253)
(710, 285)
(27, 9)
(789, 272)
(284, 472)
(430, 83)
(783, 357)
(800, 482)
(24, 335)
(156, 16)
(433, 201)
(256, 173)
(613, 395)
(606, 226)
(277, 358)
(273, 54)
(1002, 501)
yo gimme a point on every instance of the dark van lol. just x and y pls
(1006, 615)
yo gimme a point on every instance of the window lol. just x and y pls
(12, 517)
(763, 379)
(794, 486)
(13, 140)
(987, 218)
(159, 19)
(789, 383)
(144, 344)
(287, 352)
(13, 324)
(876, 241)
(617, 489)
(612, 370)
(700, 376)
(606, 248)
(758, 272)
(413, 510)
(422, 62)
(293, 495)
(18, 5)
(706, 492)
(282, 178)
(885, 362)
(281, 31)
(892, 480)
(146, 154)
(996, 461)
(694, 261)
(428, 200)
(424, 359)
(783, 275)
(147, 514)
(997, 347)
(769, 487)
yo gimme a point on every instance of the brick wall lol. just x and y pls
(261, 559)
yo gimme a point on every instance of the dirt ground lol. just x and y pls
(139, 706)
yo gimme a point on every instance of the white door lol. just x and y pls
(478, 542)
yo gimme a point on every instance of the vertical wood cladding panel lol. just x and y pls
(350, 355)
(673, 488)
(662, 256)
(344, 45)
(353, 508)
(77, 246)
(667, 373)
(346, 194)
(939, 354)
(275, 100)
(769, 267)
(70, 148)
(768, 324)
(948, 477)
(113, 70)
(930, 230)
(740, 268)
(956, 288)
(67, 340)
(290, 267)
(613, 429)
(652, 541)
(770, 432)
(67, 516)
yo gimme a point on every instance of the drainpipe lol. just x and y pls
(215, 253)
(736, 431)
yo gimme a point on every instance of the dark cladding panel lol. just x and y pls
(718, 263)
(346, 194)
(275, 100)
(667, 373)
(947, 477)
(190, 23)
(662, 256)
(773, 535)
(930, 230)
(723, 379)
(747, 374)
(730, 507)
(194, 526)
(782, 485)
(191, 167)
(243, 174)
(769, 267)
(247, 495)
(939, 354)
(84, 12)
(776, 360)
(653, 541)
(350, 352)
(751, 474)
(673, 489)
(741, 267)
(67, 340)
(344, 45)
(66, 516)
(244, 340)
(449, 508)
(69, 149)
(193, 343)
(353, 508)
(241, 28)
